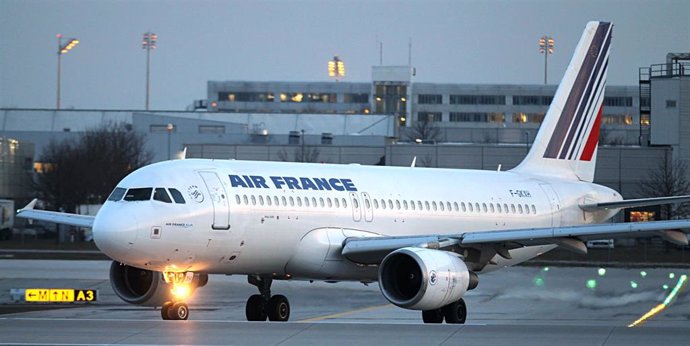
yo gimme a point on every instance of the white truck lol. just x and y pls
(6, 218)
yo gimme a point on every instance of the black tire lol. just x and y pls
(164, 310)
(432, 316)
(178, 311)
(278, 308)
(455, 313)
(255, 309)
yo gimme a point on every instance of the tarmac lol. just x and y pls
(514, 306)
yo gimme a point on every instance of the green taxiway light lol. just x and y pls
(591, 284)
(538, 281)
(633, 284)
(546, 269)
(665, 286)
(671, 275)
(643, 274)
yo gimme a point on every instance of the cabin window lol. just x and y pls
(397, 204)
(253, 200)
(426, 204)
(337, 203)
(367, 204)
(476, 207)
(306, 202)
(161, 195)
(261, 200)
(463, 207)
(313, 201)
(245, 199)
(534, 209)
(237, 199)
(117, 194)
(299, 201)
(344, 203)
(390, 204)
(383, 205)
(470, 207)
(276, 202)
(321, 202)
(330, 203)
(412, 205)
(440, 204)
(491, 208)
(520, 208)
(284, 200)
(526, 209)
(484, 209)
(355, 203)
(512, 208)
(268, 200)
(498, 208)
(505, 208)
(143, 194)
(292, 201)
(376, 204)
(177, 196)
(434, 206)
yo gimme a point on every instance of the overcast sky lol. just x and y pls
(478, 41)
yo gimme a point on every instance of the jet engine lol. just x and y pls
(145, 287)
(424, 279)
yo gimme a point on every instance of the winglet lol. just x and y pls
(29, 206)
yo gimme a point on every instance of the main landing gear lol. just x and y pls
(454, 313)
(263, 305)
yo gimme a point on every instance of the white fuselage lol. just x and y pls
(227, 224)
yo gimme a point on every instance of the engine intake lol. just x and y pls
(424, 279)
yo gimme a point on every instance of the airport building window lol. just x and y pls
(430, 99)
(618, 101)
(142, 194)
(177, 196)
(526, 100)
(159, 128)
(211, 129)
(245, 96)
(521, 117)
(617, 119)
(429, 116)
(477, 99)
(117, 194)
(477, 117)
(356, 98)
(161, 195)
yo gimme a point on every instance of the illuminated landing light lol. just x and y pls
(181, 292)
(591, 284)
(601, 271)
(682, 282)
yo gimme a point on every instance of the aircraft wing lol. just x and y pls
(641, 202)
(373, 250)
(28, 212)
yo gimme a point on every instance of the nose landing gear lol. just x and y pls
(177, 309)
(262, 306)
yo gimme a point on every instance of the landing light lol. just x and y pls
(181, 291)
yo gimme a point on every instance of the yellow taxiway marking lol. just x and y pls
(345, 313)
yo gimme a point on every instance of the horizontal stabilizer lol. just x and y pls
(630, 203)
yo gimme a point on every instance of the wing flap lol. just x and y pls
(28, 212)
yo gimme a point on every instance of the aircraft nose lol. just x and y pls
(114, 234)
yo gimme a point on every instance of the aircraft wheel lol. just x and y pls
(164, 310)
(455, 313)
(178, 311)
(278, 308)
(432, 316)
(255, 308)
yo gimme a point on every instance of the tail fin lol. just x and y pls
(566, 145)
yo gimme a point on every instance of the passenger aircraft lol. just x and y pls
(424, 234)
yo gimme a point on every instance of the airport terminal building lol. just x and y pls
(390, 121)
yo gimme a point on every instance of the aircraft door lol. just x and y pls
(555, 204)
(356, 207)
(219, 199)
(368, 210)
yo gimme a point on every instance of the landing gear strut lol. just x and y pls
(454, 313)
(177, 309)
(262, 306)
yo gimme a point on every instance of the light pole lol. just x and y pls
(148, 43)
(546, 48)
(170, 129)
(62, 49)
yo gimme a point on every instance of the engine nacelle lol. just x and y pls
(424, 279)
(145, 287)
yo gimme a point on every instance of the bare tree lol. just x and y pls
(87, 169)
(302, 153)
(424, 130)
(668, 179)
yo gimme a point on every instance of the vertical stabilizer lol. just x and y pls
(566, 145)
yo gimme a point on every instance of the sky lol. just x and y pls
(460, 41)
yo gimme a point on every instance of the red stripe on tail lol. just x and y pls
(593, 138)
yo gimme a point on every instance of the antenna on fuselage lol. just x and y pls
(183, 154)
(499, 167)
(414, 161)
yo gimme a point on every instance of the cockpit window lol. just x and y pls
(177, 196)
(161, 195)
(117, 194)
(143, 194)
